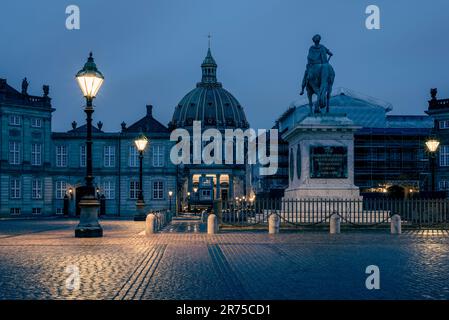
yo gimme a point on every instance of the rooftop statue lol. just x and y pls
(319, 76)
(25, 86)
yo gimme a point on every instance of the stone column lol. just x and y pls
(231, 187)
(217, 189)
(190, 183)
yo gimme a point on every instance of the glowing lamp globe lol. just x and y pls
(89, 78)
(432, 145)
(141, 143)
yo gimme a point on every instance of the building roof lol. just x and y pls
(83, 129)
(209, 103)
(10, 95)
(147, 124)
(364, 111)
(409, 121)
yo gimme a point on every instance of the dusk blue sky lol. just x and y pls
(150, 52)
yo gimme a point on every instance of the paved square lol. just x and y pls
(37, 258)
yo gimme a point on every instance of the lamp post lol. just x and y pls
(89, 80)
(141, 143)
(170, 195)
(432, 145)
(188, 201)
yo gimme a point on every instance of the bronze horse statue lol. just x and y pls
(319, 76)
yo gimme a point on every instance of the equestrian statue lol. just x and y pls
(319, 76)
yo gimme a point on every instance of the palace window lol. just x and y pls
(444, 124)
(109, 156)
(158, 190)
(36, 189)
(158, 155)
(61, 189)
(36, 211)
(61, 156)
(36, 154)
(133, 156)
(444, 185)
(109, 190)
(133, 189)
(14, 120)
(36, 122)
(14, 152)
(15, 188)
(15, 211)
(444, 156)
(83, 156)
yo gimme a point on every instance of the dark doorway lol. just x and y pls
(396, 192)
(224, 194)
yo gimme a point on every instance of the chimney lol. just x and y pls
(149, 110)
(123, 124)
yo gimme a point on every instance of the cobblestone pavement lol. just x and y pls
(38, 257)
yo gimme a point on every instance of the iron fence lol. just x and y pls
(354, 212)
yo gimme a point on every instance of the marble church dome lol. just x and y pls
(209, 103)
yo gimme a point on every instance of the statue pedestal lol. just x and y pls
(321, 158)
(89, 227)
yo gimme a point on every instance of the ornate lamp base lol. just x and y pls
(89, 227)
(140, 211)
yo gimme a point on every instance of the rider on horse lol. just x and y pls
(317, 56)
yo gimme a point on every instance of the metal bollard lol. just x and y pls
(218, 209)
(335, 224)
(273, 223)
(162, 219)
(212, 224)
(150, 224)
(396, 227)
(203, 216)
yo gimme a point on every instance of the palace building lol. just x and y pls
(42, 172)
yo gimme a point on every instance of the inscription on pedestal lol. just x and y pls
(328, 162)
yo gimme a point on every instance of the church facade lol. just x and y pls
(213, 107)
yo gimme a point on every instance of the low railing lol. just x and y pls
(354, 212)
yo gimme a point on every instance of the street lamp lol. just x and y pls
(170, 194)
(141, 143)
(188, 201)
(432, 145)
(89, 80)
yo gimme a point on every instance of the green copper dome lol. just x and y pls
(209, 103)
